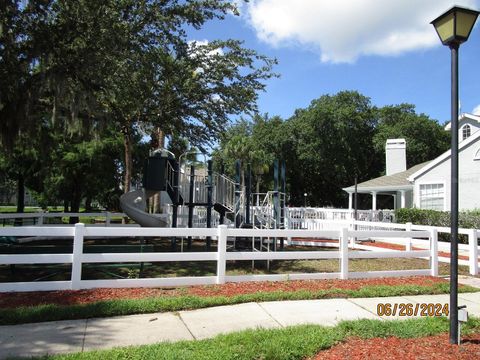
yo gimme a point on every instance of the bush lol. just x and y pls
(466, 219)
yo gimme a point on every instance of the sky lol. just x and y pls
(386, 50)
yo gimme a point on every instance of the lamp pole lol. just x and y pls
(454, 338)
(453, 28)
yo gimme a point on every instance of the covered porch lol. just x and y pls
(400, 198)
(397, 187)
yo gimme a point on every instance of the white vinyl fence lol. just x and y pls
(103, 218)
(222, 235)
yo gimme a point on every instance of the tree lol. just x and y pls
(333, 141)
(129, 63)
(425, 138)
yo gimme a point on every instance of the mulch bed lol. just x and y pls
(402, 248)
(431, 348)
(73, 297)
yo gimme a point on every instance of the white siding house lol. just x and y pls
(427, 185)
(432, 182)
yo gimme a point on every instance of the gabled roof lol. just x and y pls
(464, 116)
(445, 156)
(398, 181)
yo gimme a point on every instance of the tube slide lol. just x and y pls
(134, 204)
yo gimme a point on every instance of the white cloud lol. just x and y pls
(476, 110)
(343, 30)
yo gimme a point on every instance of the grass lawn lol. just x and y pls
(290, 343)
(117, 307)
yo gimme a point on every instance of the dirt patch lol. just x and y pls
(73, 297)
(431, 348)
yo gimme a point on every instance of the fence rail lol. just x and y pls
(222, 235)
(41, 218)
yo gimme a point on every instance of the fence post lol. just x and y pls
(352, 228)
(79, 233)
(222, 253)
(408, 245)
(108, 218)
(473, 251)
(344, 253)
(433, 252)
(40, 219)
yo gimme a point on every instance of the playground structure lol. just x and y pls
(210, 198)
(194, 205)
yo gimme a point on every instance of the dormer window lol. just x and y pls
(466, 131)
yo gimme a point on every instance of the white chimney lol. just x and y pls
(396, 157)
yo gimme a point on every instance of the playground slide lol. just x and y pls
(133, 204)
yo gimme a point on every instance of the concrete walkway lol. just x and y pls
(84, 335)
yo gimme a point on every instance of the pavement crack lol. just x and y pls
(84, 335)
(185, 324)
(364, 308)
(270, 315)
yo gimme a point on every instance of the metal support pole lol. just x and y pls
(191, 204)
(175, 201)
(355, 204)
(176, 194)
(276, 202)
(237, 193)
(223, 189)
(248, 192)
(283, 190)
(454, 201)
(209, 200)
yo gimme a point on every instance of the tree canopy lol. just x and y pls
(331, 141)
(130, 66)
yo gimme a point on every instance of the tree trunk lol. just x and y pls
(20, 194)
(75, 206)
(88, 204)
(127, 144)
(160, 138)
(66, 205)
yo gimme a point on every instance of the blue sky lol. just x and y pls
(391, 55)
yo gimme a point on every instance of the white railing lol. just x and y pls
(224, 191)
(221, 235)
(199, 218)
(305, 213)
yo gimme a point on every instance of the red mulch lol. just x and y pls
(431, 348)
(402, 247)
(72, 297)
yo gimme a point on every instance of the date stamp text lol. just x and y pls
(410, 309)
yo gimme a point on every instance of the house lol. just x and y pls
(427, 185)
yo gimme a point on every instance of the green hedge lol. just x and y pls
(466, 219)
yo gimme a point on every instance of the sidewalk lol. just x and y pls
(85, 335)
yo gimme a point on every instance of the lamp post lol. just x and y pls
(305, 200)
(454, 27)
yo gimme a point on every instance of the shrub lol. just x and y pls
(466, 219)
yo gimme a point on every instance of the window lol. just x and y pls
(466, 131)
(432, 196)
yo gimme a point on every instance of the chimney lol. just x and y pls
(396, 157)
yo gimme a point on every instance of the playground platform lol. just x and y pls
(105, 333)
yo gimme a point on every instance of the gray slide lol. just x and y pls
(134, 205)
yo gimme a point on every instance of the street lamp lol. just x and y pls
(453, 28)
(305, 200)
